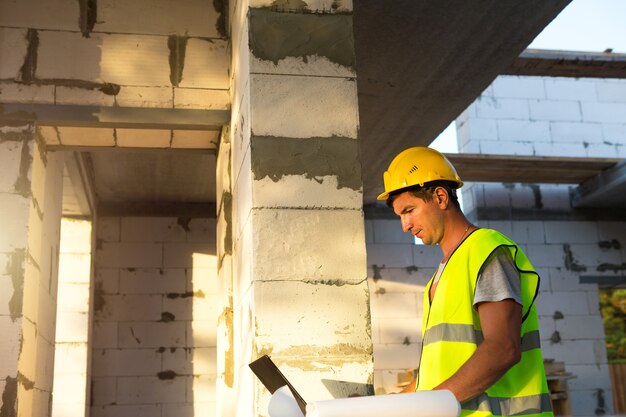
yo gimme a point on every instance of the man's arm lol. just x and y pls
(501, 323)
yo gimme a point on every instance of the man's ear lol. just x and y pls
(441, 197)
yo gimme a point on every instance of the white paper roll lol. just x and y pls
(416, 404)
(283, 404)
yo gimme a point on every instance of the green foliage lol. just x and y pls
(613, 308)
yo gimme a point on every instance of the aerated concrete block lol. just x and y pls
(130, 255)
(524, 131)
(152, 281)
(611, 91)
(131, 96)
(9, 345)
(206, 64)
(570, 89)
(396, 305)
(559, 149)
(195, 139)
(570, 232)
(334, 242)
(518, 87)
(405, 331)
(150, 390)
(581, 328)
(397, 356)
(203, 333)
(143, 138)
(576, 132)
(53, 14)
(10, 161)
(566, 302)
(13, 50)
(72, 327)
(481, 129)
(126, 362)
(137, 60)
(390, 231)
(160, 17)
(136, 307)
(303, 107)
(614, 132)
(108, 229)
(86, 136)
(344, 331)
(21, 93)
(396, 255)
(75, 298)
(604, 112)
(502, 108)
(555, 110)
(142, 334)
(201, 98)
(83, 97)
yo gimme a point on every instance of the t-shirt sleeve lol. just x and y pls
(498, 280)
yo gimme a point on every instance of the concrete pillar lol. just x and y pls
(30, 213)
(290, 217)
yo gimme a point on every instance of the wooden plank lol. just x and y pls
(568, 64)
(618, 382)
(528, 169)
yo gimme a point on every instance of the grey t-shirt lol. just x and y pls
(498, 280)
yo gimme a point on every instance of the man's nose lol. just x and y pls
(406, 225)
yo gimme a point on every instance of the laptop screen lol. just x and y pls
(271, 377)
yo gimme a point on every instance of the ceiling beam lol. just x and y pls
(120, 117)
(528, 169)
(606, 189)
(537, 62)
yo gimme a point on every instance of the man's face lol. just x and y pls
(420, 218)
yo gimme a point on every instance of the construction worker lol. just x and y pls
(480, 332)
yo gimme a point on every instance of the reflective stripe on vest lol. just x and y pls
(516, 406)
(449, 332)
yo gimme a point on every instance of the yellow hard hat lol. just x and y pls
(417, 166)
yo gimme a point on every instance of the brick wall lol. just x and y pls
(155, 317)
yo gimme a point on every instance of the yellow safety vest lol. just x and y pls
(451, 332)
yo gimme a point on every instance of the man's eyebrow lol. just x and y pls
(405, 209)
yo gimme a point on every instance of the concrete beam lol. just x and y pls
(528, 169)
(569, 64)
(192, 210)
(606, 189)
(121, 117)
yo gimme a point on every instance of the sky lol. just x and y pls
(584, 25)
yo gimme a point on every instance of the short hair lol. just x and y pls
(426, 192)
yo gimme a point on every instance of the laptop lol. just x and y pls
(271, 377)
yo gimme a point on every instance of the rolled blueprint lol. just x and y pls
(416, 404)
(283, 404)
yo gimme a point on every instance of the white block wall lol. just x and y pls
(155, 318)
(398, 271)
(554, 117)
(30, 215)
(127, 46)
